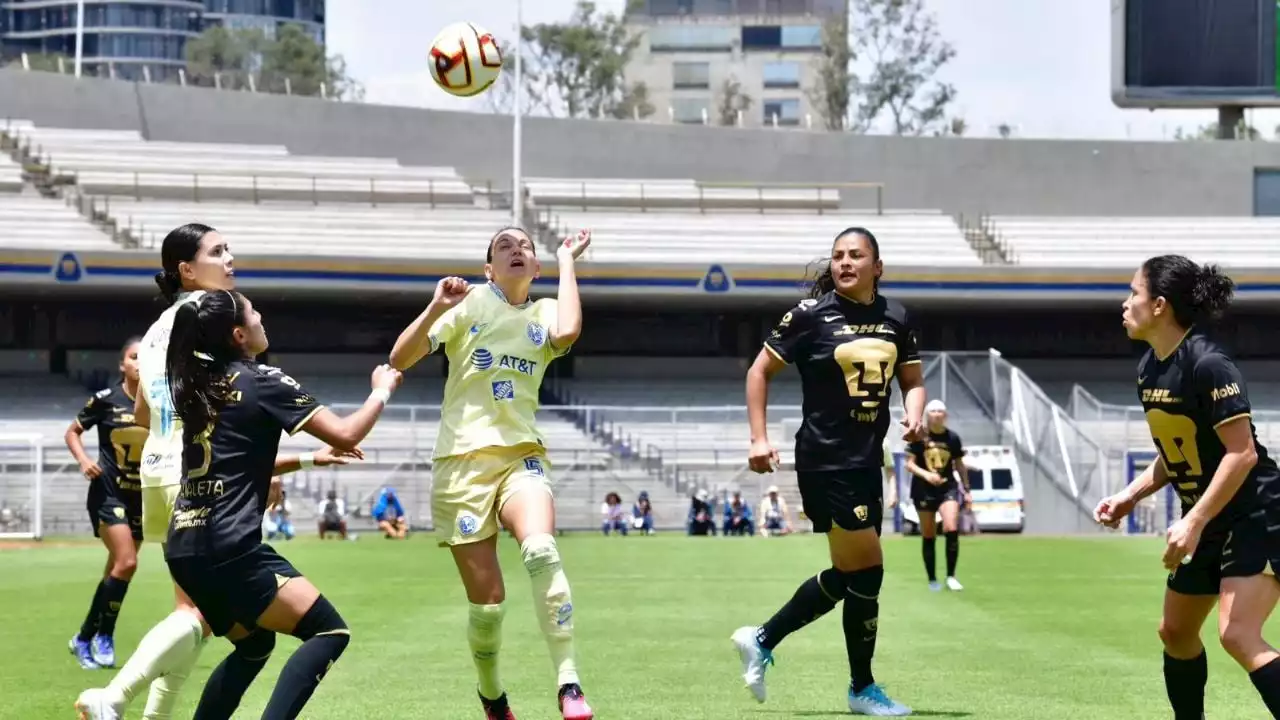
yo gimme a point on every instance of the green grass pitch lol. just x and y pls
(1046, 628)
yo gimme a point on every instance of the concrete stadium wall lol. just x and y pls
(968, 176)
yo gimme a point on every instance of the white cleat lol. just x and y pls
(96, 705)
(954, 584)
(872, 701)
(935, 586)
(754, 660)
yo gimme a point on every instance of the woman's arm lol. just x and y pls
(568, 303)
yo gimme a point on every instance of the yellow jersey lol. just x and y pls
(162, 452)
(498, 354)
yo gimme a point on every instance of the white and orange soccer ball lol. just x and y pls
(465, 59)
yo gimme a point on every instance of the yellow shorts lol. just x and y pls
(468, 490)
(157, 508)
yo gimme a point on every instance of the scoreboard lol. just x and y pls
(1194, 53)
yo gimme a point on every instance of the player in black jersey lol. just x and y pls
(1227, 544)
(233, 411)
(848, 342)
(939, 483)
(114, 503)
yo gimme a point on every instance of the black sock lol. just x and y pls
(953, 552)
(814, 598)
(1184, 681)
(930, 558)
(234, 675)
(90, 625)
(1267, 680)
(861, 622)
(324, 636)
(113, 592)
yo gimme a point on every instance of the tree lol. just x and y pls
(831, 91)
(635, 104)
(575, 69)
(231, 57)
(905, 51)
(1243, 131)
(1004, 130)
(730, 101)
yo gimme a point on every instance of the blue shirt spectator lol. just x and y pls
(737, 516)
(389, 514)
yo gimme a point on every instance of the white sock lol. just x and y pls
(166, 647)
(552, 603)
(163, 695)
(484, 635)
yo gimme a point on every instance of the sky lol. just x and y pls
(1041, 66)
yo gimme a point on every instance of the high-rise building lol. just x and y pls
(267, 15)
(132, 40)
(713, 60)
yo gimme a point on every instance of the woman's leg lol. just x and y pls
(1186, 669)
(1247, 602)
(301, 611)
(928, 543)
(89, 627)
(227, 683)
(122, 552)
(482, 580)
(950, 512)
(529, 512)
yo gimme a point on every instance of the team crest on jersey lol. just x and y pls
(119, 512)
(861, 512)
(468, 524)
(504, 390)
(537, 334)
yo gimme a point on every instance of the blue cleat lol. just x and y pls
(104, 650)
(873, 701)
(84, 653)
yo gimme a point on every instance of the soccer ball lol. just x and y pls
(465, 59)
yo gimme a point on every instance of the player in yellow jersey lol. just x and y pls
(490, 462)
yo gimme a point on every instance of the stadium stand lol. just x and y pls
(30, 222)
(1109, 242)
(10, 175)
(588, 193)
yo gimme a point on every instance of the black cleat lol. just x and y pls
(497, 709)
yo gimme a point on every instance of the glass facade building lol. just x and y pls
(123, 38)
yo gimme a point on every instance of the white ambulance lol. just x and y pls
(995, 483)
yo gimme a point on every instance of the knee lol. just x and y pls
(1239, 639)
(125, 566)
(257, 646)
(323, 619)
(1178, 637)
(864, 585)
(540, 554)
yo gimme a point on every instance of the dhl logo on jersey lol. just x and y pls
(869, 329)
(1159, 396)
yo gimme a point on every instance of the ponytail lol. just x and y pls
(201, 349)
(1198, 294)
(170, 284)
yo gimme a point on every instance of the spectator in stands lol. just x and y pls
(615, 515)
(279, 514)
(737, 516)
(642, 514)
(332, 515)
(775, 518)
(389, 514)
(700, 522)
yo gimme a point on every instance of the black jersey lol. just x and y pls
(847, 354)
(1186, 396)
(227, 469)
(940, 453)
(120, 442)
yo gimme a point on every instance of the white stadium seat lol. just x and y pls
(30, 222)
(1127, 241)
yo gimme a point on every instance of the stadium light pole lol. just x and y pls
(517, 124)
(79, 35)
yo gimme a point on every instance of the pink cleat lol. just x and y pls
(573, 704)
(497, 709)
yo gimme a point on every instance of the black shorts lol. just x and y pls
(852, 499)
(1243, 549)
(233, 591)
(331, 524)
(116, 511)
(930, 499)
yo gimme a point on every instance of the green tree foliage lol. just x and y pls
(291, 62)
(833, 88)
(730, 101)
(575, 69)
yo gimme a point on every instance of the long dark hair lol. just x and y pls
(819, 279)
(180, 245)
(1198, 294)
(201, 347)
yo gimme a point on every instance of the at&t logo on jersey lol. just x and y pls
(481, 359)
(537, 334)
(519, 364)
